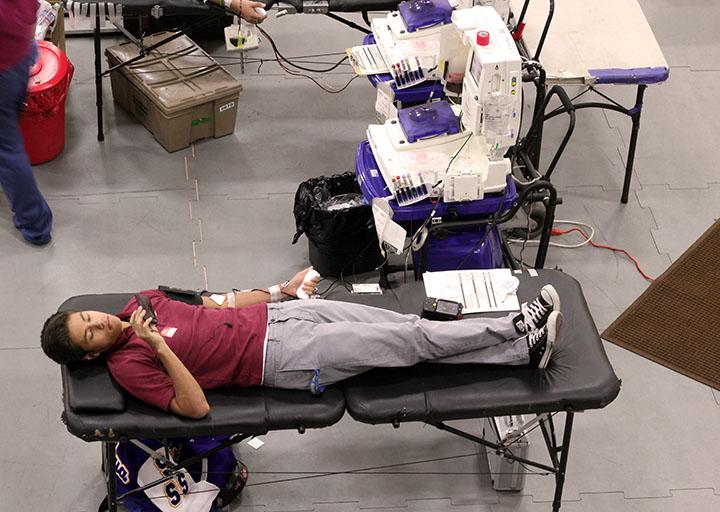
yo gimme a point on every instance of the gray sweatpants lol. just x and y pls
(340, 339)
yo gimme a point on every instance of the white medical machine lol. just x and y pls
(408, 39)
(450, 150)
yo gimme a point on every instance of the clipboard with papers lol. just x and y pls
(477, 290)
(367, 60)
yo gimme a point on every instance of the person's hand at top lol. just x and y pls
(246, 10)
(145, 330)
(296, 282)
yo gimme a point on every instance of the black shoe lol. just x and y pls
(39, 240)
(541, 342)
(533, 315)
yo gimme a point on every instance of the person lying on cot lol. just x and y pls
(243, 339)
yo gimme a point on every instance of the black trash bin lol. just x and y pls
(340, 241)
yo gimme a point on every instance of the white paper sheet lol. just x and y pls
(477, 290)
(388, 230)
(255, 442)
(384, 102)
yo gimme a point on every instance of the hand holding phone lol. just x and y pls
(144, 303)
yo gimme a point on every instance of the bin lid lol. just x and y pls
(50, 70)
(418, 14)
(176, 75)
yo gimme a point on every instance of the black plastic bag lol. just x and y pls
(340, 242)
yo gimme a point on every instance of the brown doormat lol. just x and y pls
(676, 322)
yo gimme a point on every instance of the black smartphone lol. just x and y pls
(441, 309)
(144, 303)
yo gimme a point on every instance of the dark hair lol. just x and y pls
(56, 342)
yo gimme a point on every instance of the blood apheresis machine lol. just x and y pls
(405, 46)
(453, 153)
(460, 147)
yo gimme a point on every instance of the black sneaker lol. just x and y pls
(533, 315)
(541, 341)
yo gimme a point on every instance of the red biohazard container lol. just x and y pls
(42, 120)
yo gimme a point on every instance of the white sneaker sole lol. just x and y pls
(553, 326)
(553, 294)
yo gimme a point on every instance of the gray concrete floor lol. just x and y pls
(129, 215)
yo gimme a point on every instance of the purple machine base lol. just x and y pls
(451, 251)
(445, 253)
(412, 95)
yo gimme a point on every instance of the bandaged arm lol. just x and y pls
(241, 298)
(275, 293)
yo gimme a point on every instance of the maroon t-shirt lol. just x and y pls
(16, 19)
(220, 347)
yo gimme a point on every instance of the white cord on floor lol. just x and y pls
(525, 183)
(556, 244)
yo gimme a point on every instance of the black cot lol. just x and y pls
(579, 377)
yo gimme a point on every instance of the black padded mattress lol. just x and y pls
(96, 409)
(578, 377)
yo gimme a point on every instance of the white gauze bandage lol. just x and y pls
(275, 293)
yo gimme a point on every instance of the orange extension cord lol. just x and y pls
(556, 232)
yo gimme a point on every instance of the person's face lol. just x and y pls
(94, 331)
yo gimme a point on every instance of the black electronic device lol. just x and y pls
(178, 291)
(144, 302)
(441, 309)
(193, 297)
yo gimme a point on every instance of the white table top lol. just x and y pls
(590, 35)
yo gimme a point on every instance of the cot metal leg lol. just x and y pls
(495, 446)
(112, 503)
(98, 77)
(634, 114)
(550, 442)
(564, 453)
